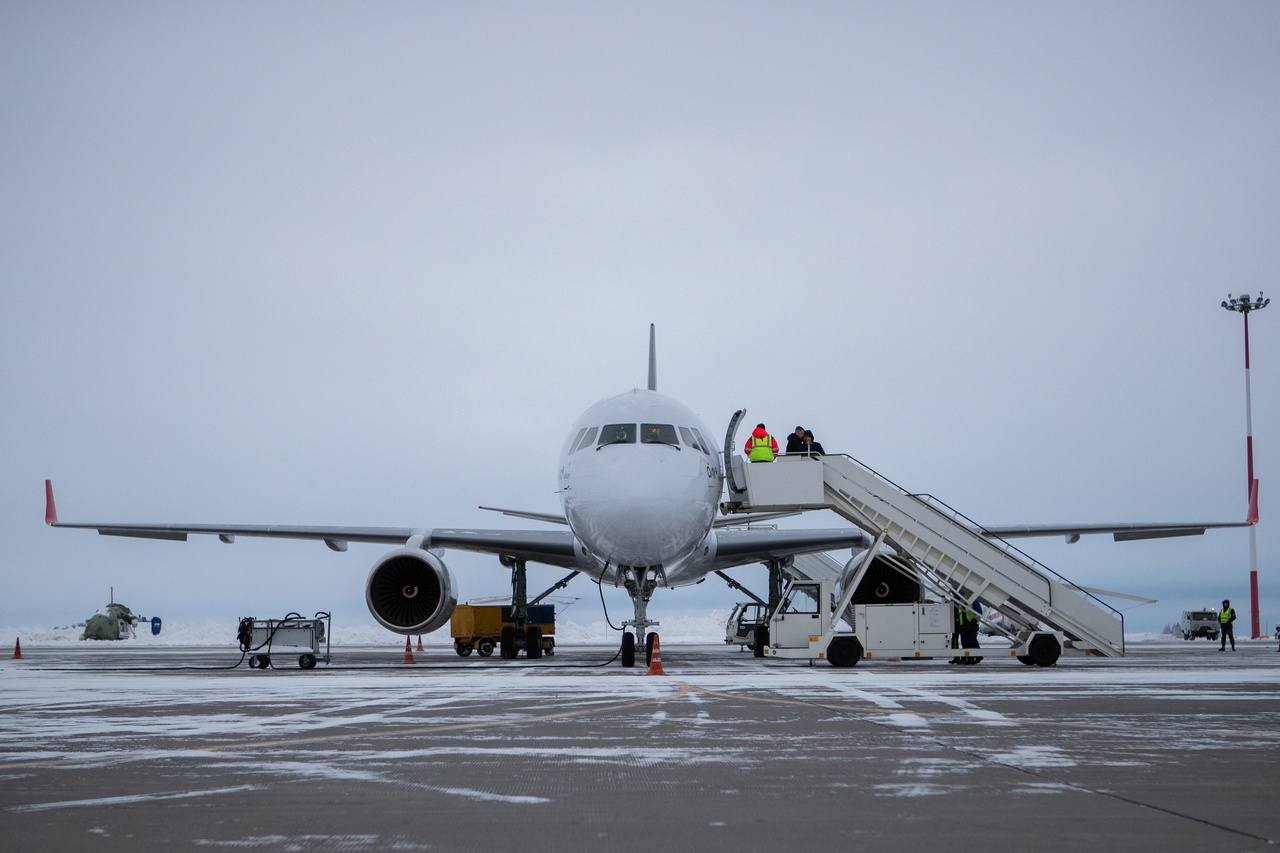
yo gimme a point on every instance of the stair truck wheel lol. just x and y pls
(463, 649)
(628, 649)
(844, 651)
(533, 642)
(253, 662)
(484, 647)
(1027, 659)
(1044, 650)
(307, 661)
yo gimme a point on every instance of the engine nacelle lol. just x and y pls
(882, 584)
(410, 592)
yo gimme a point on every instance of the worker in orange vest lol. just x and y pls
(761, 447)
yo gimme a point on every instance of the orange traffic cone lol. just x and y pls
(408, 652)
(17, 648)
(419, 642)
(655, 660)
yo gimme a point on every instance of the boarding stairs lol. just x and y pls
(944, 550)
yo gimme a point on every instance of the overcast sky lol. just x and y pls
(364, 264)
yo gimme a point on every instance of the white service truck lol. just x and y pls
(1200, 623)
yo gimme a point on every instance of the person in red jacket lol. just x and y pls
(761, 447)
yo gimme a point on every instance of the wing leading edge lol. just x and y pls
(553, 547)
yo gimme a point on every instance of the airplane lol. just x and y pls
(640, 480)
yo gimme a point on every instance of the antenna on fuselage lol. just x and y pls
(653, 361)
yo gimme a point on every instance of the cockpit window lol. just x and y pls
(618, 434)
(658, 434)
(587, 438)
(706, 446)
(687, 435)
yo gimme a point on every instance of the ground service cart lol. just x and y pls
(744, 620)
(292, 634)
(482, 628)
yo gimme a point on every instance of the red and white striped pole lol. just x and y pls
(1244, 304)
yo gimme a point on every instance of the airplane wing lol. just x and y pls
(739, 547)
(1125, 532)
(1120, 532)
(551, 547)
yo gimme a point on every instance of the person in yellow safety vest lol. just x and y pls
(761, 446)
(967, 631)
(1225, 620)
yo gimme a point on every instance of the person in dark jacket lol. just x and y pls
(967, 631)
(1226, 620)
(811, 448)
(795, 441)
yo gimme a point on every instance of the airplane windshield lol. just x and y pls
(587, 438)
(658, 434)
(687, 435)
(618, 434)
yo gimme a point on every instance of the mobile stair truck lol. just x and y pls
(899, 600)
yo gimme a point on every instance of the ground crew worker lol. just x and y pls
(1225, 620)
(761, 446)
(967, 630)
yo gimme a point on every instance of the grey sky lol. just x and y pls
(364, 264)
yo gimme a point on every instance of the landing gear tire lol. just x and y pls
(628, 650)
(464, 650)
(761, 640)
(650, 640)
(507, 643)
(307, 661)
(844, 651)
(1044, 650)
(533, 642)
(484, 648)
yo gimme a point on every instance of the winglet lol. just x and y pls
(1253, 503)
(50, 511)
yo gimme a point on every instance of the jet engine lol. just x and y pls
(883, 583)
(410, 591)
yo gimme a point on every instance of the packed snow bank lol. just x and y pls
(690, 628)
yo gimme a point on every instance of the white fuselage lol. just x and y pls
(640, 479)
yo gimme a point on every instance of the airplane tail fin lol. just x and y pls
(653, 361)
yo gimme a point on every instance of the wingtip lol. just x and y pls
(1253, 503)
(50, 510)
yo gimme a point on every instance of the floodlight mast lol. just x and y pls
(1244, 304)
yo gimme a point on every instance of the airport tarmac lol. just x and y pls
(1174, 747)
